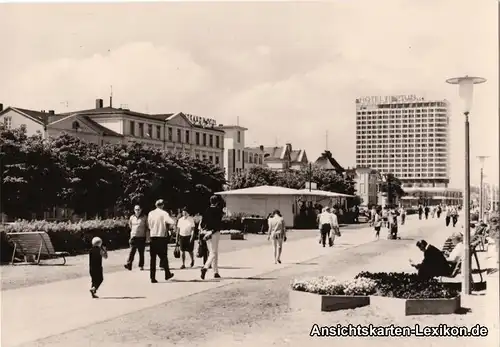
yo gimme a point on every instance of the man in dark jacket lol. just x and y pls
(434, 263)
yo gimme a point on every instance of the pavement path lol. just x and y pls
(58, 307)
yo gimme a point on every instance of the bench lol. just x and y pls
(35, 244)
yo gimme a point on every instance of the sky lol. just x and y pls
(288, 71)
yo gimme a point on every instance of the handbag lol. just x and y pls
(177, 252)
(337, 231)
(201, 249)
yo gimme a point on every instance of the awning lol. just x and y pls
(315, 192)
(261, 190)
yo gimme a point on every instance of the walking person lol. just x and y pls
(454, 215)
(385, 216)
(426, 211)
(325, 225)
(402, 214)
(159, 222)
(185, 237)
(438, 212)
(277, 232)
(210, 227)
(138, 224)
(377, 223)
(420, 212)
(97, 252)
(448, 215)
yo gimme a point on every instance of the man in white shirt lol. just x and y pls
(456, 254)
(159, 221)
(324, 224)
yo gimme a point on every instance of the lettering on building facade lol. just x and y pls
(374, 100)
(201, 121)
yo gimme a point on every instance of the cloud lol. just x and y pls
(288, 71)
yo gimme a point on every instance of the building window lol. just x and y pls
(239, 155)
(132, 128)
(170, 134)
(211, 140)
(204, 157)
(150, 130)
(205, 140)
(260, 160)
(187, 136)
(158, 131)
(211, 159)
(217, 142)
(179, 137)
(141, 129)
(250, 158)
(239, 136)
(197, 138)
(198, 156)
(217, 160)
(7, 121)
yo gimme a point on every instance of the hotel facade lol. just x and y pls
(406, 136)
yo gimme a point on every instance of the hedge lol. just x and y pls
(75, 238)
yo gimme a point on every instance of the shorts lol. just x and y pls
(185, 243)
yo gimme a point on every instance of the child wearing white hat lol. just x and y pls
(96, 254)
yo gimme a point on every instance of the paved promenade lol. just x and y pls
(59, 307)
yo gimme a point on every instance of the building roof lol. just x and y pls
(326, 193)
(91, 123)
(329, 163)
(41, 117)
(261, 190)
(222, 127)
(297, 155)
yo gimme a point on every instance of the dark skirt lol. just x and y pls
(186, 244)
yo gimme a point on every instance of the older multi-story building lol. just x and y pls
(367, 184)
(174, 132)
(406, 136)
(282, 157)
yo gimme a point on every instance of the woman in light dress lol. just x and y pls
(277, 233)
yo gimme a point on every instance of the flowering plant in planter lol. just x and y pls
(328, 285)
(408, 286)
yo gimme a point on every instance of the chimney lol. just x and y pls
(1, 107)
(52, 112)
(261, 148)
(99, 103)
(289, 147)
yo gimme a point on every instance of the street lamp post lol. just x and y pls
(466, 86)
(481, 158)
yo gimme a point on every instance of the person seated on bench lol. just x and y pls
(434, 263)
(455, 255)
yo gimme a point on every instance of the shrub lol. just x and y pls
(407, 286)
(76, 237)
(328, 285)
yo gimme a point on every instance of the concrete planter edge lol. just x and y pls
(326, 303)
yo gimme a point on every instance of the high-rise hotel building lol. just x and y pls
(406, 136)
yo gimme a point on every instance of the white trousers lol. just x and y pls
(213, 255)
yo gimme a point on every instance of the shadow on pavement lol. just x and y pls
(305, 263)
(463, 310)
(122, 297)
(233, 268)
(250, 278)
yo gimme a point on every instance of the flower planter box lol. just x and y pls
(237, 237)
(326, 303)
(408, 307)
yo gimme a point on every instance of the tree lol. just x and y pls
(391, 186)
(253, 177)
(328, 180)
(31, 178)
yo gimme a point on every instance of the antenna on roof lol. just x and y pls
(238, 120)
(276, 141)
(326, 139)
(111, 97)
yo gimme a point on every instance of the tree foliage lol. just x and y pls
(39, 174)
(391, 186)
(328, 180)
